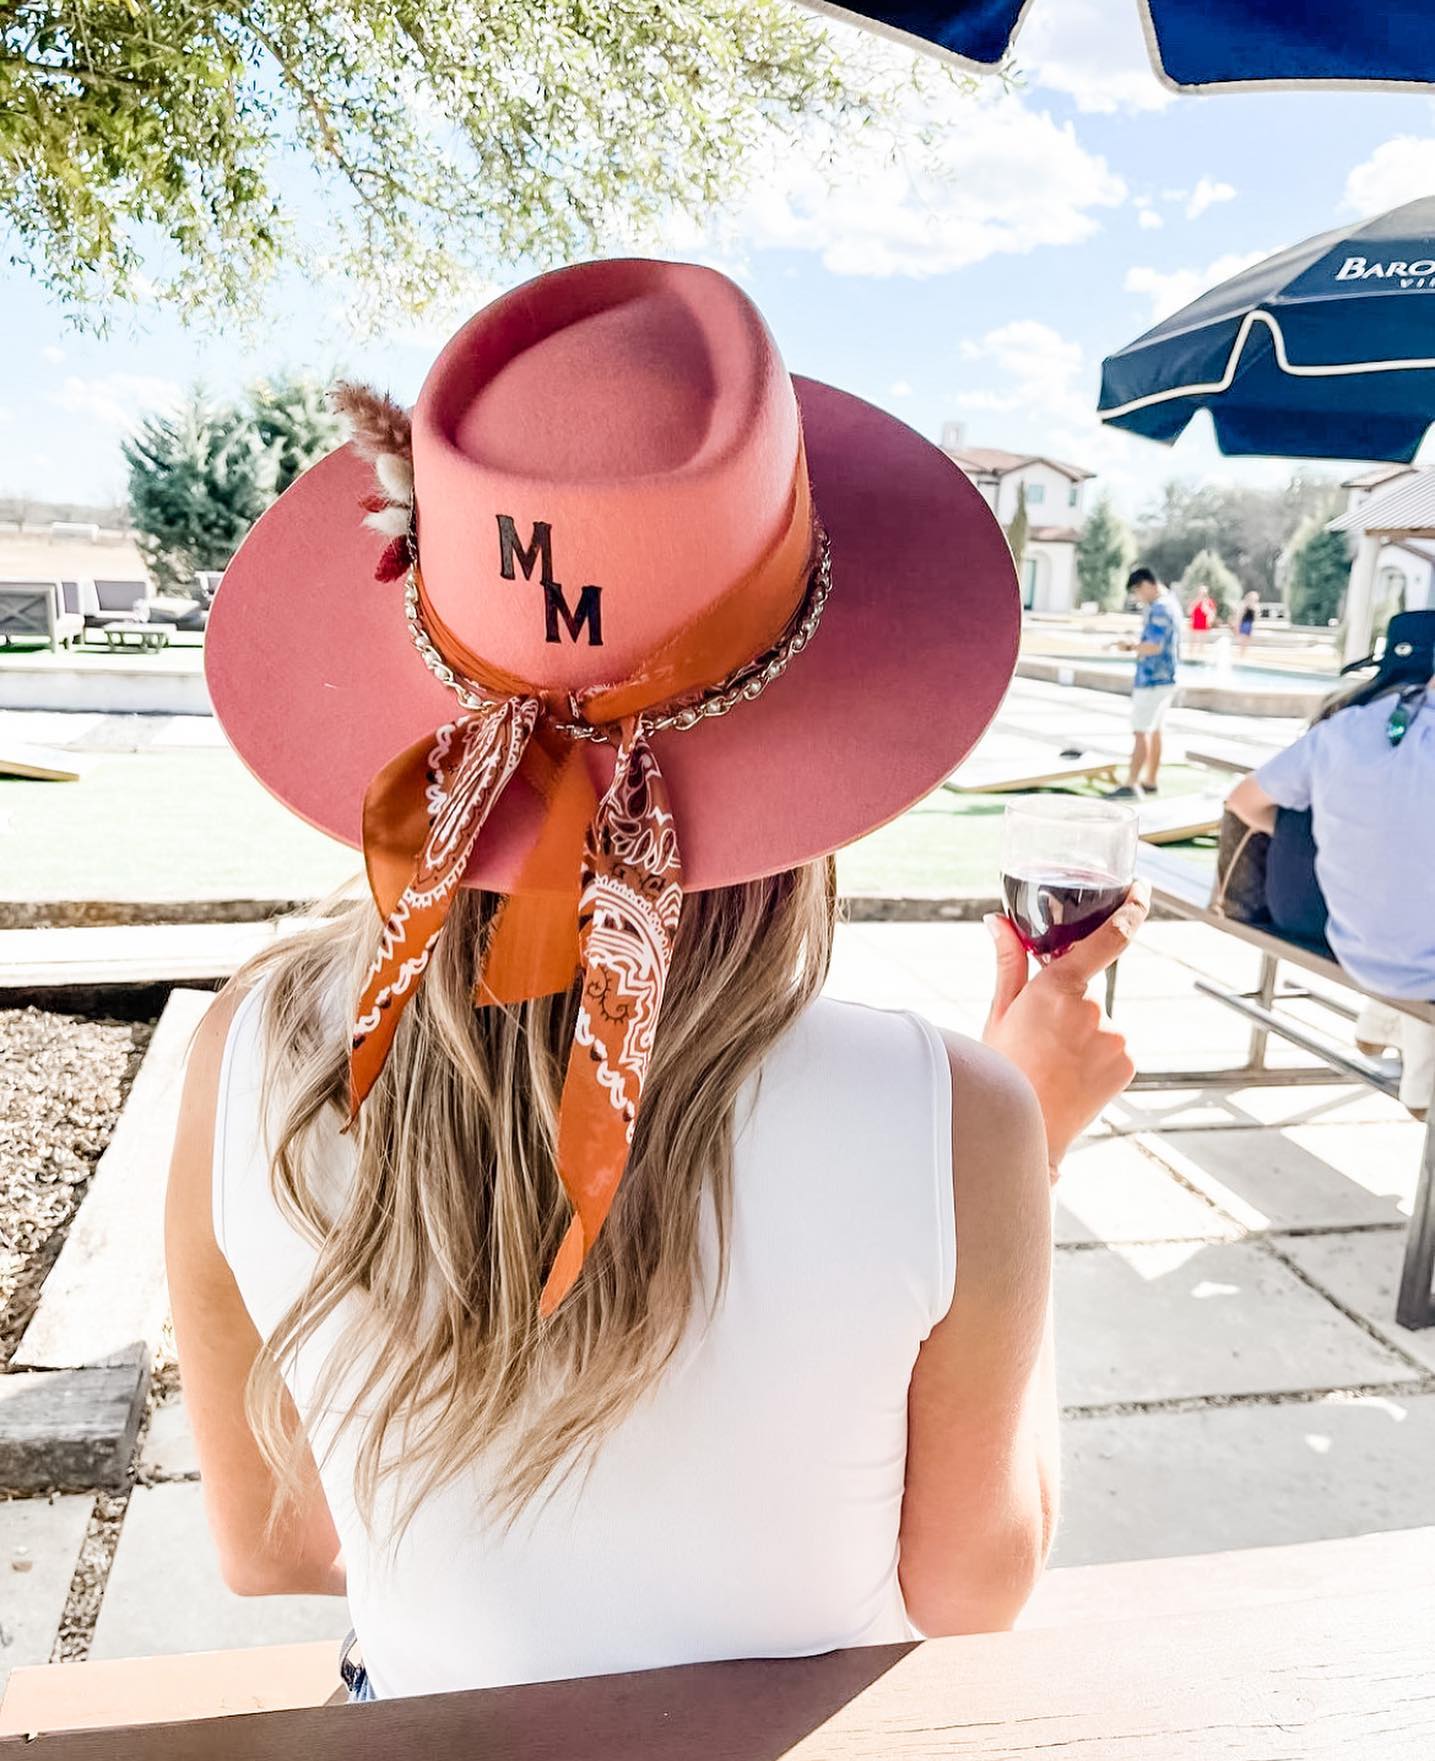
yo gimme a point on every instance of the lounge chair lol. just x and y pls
(115, 602)
(34, 611)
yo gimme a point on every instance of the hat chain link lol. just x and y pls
(744, 685)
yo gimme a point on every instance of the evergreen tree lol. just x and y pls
(1103, 556)
(1019, 529)
(198, 480)
(201, 477)
(1319, 573)
(295, 423)
(1206, 571)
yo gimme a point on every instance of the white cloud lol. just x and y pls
(899, 388)
(1094, 52)
(52, 354)
(1206, 194)
(119, 400)
(1149, 218)
(1399, 170)
(1030, 352)
(1044, 387)
(1170, 289)
(960, 180)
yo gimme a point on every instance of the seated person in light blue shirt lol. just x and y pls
(1154, 685)
(1366, 772)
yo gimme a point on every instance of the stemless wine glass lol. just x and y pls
(1067, 864)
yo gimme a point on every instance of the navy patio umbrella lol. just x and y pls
(1198, 44)
(1326, 350)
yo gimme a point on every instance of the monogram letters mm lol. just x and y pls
(558, 615)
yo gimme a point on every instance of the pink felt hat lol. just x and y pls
(668, 620)
(634, 424)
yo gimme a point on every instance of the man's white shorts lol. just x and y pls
(1148, 706)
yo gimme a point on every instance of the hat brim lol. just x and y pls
(316, 682)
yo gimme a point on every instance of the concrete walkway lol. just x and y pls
(1229, 1366)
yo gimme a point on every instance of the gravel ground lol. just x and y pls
(62, 1081)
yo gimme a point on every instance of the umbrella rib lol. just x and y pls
(1294, 368)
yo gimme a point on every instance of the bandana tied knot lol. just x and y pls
(629, 901)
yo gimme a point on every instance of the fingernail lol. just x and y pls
(992, 921)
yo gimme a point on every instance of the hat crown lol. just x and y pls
(600, 456)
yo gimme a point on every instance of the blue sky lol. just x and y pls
(980, 280)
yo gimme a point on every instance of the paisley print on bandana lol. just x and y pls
(628, 916)
(628, 912)
(466, 767)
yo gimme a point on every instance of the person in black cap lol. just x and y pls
(1366, 773)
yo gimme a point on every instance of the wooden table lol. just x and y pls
(1350, 1678)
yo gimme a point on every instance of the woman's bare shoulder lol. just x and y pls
(990, 1096)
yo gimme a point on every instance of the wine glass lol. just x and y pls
(1067, 864)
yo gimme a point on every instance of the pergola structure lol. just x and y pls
(1403, 512)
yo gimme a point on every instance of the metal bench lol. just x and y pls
(1179, 887)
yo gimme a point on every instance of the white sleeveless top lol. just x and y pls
(749, 1506)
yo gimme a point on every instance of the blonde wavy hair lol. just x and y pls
(433, 1258)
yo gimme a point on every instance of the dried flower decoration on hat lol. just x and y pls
(380, 431)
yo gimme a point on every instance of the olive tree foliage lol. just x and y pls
(1207, 573)
(182, 149)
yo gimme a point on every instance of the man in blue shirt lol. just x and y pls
(1155, 683)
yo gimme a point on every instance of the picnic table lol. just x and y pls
(148, 638)
(1215, 1666)
(1180, 887)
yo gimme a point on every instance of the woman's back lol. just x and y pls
(750, 1503)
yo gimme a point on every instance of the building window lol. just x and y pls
(1072, 494)
(1035, 492)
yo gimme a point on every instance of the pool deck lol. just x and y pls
(1225, 694)
(95, 679)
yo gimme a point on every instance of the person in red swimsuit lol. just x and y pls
(1203, 619)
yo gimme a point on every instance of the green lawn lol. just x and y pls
(195, 825)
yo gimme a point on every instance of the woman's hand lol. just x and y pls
(1054, 1033)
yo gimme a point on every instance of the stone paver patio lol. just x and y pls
(1229, 1362)
(1228, 1359)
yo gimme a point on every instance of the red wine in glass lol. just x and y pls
(1054, 907)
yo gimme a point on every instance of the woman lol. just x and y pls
(554, 1272)
(1365, 773)
(1246, 622)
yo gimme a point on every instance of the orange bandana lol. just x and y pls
(601, 890)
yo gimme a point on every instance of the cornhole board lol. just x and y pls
(1237, 756)
(1181, 817)
(42, 764)
(1014, 775)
